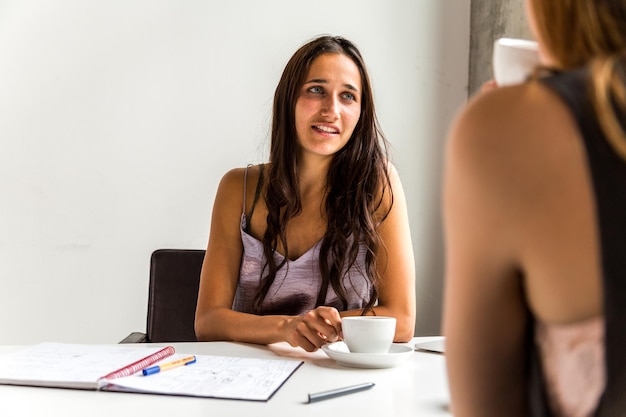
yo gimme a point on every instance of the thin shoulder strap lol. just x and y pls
(257, 193)
(245, 186)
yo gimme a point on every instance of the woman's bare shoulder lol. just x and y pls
(234, 178)
(511, 152)
(512, 124)
(506, 109)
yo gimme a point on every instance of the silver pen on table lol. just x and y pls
(325, 395)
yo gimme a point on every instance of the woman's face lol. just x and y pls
(328, 106)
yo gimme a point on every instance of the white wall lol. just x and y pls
(119, 117)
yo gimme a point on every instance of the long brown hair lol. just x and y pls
(590, 32)
(358, 191)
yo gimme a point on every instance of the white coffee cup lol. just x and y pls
(368, 334)
(514, 60)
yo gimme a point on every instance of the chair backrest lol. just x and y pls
(173, 294)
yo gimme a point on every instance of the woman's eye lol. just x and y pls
(316, 90)
(349, 96)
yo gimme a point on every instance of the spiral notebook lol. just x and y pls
(116, 368)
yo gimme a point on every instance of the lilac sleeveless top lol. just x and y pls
(295, 288)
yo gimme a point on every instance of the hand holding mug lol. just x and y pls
(313, 329)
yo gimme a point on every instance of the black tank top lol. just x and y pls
(608, 172)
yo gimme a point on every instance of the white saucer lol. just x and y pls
(340, 353)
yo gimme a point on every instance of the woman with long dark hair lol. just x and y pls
(320, 231)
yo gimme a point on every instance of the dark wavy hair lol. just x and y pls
(358, 191)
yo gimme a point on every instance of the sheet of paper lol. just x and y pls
(67, 365)
(435, 346)
(215, 377)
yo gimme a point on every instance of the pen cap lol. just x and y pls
(151, 370)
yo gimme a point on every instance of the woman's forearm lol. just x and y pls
(223, 324)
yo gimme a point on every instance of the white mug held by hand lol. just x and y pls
(368, 334)
(514, 60)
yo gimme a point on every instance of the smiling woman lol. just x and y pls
(328, 107)
(329, 236)
(120, 119)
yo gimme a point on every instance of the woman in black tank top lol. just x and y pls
(534, 200)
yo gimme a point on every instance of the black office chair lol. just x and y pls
(172, 298)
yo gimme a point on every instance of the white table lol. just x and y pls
(417, 387)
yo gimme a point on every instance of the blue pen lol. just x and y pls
(170, 365)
